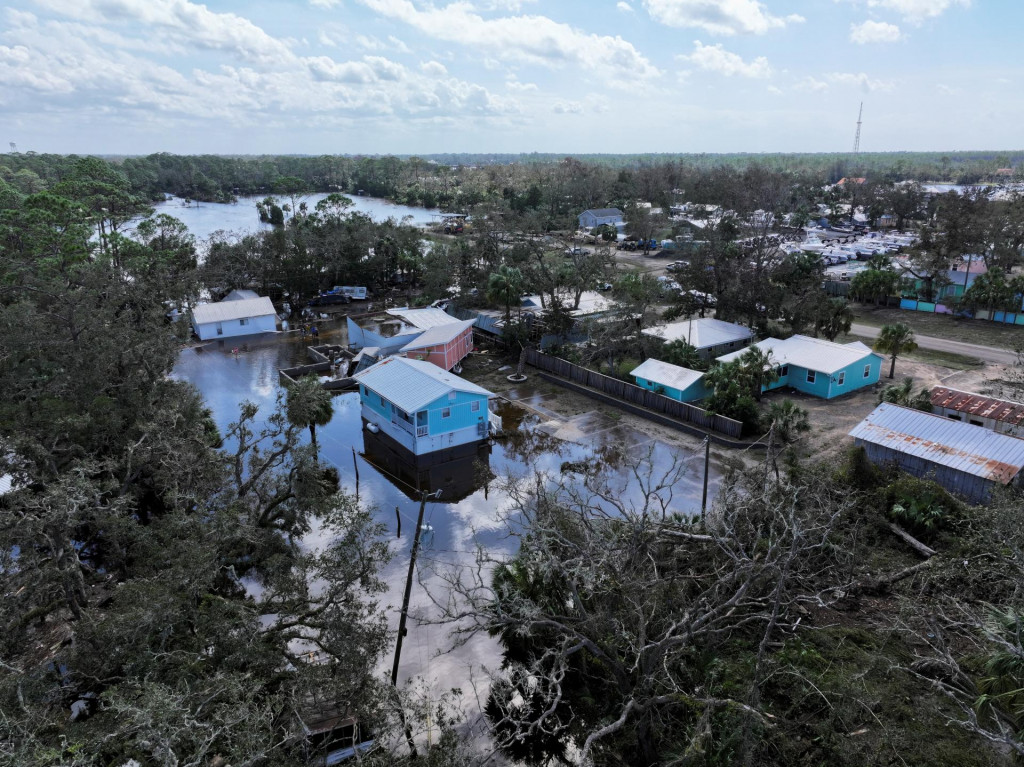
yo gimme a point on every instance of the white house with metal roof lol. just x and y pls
(968, 460)
(234, 316)
(818, 367)
(673, 381)
(710, 337)
(422, 407)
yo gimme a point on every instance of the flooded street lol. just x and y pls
(470, 509)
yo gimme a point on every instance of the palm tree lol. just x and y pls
(903, 394)
(787, 422)
(505, 286)
(758, 367)
(309, 404)
(836, 317)
(894, 340)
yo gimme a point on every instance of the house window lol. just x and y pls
(810, 376)
(475, 406)
(842, 378)
(243, 321)
(954, 416)
(784, 371)
(977, 423)
(867, 371)
(446, 412)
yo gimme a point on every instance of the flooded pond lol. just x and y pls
(471, 505)
(205, 218)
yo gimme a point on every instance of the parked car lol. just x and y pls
(330, 299)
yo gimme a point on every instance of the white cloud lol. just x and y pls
(533, 39)
(874, 32)
(624, 7)
(812, 84)
(719, 17)
(775, 91)
(567, 108)
(515, 85)
(325, 3)
(714, 58)
(433, 68)
(918, 10)
(860, 79)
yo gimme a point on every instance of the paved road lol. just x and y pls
(984, 353)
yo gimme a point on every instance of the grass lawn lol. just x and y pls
(979, 332)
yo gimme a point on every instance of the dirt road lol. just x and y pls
(984, 353)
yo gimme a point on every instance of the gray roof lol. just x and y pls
(240, 294)
(226, 311)
(604, 212)
(413, 384)
(810, 353)
(943, 441)
(439, 334)
(424, 319)
(701, 333)
(666, 374)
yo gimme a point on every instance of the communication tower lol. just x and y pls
(856, 138)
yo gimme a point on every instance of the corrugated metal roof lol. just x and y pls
(438, 335)
(667, 374)
(942, 441)
(602, 212)
(226, 311)
(424, 319)
(240, 294)
(701, 333)
(978, 405)
(810, 353)
(413, 384)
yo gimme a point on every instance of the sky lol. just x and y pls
(562, 76)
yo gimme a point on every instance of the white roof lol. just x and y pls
(943, 441)
(240, 294)
(424, 319)
(701, 332)
(413, 384)
(439, 334)
(809, 353)
(232, 310)
(591, 302)
(667, 374)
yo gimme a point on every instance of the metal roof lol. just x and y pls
(424, 319)
(438, 335)
(413, 384)
(942, 441)
(701, 333)
(667, 374)
(978, 405)
(226, 311)
(810, 353)
(603, 212)
(240, 294)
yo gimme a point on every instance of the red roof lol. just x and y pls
(978, 405)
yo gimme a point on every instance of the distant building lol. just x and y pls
(710, 337)
(818, 367)
(236, 315)
(673, 381)
(424, 408)
(600, 216)
(999, 415)
(967, 460)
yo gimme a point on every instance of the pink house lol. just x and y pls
(443, 345)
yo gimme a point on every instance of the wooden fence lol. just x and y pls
(636, 395)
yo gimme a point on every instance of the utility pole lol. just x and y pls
(707, 467)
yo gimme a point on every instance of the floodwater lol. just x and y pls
(470, 509)
(205, 218)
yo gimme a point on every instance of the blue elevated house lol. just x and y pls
(818, 367)
(595, 217)
(422, 407)
(672, 381)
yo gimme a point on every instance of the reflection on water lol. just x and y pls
(471, 508)
(205, 218)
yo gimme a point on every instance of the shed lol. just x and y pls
(234, 317)
(1000, 415)
(673, 381)
(967, 460)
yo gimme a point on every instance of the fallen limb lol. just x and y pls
(911, 541)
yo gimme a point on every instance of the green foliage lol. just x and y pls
(904, 394)
(921, 505)
(680, 353)
(895, 339)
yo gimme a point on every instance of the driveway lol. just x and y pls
(984, 353)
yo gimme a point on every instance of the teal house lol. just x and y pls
(422, 407)
(672, 381)
(818, 367)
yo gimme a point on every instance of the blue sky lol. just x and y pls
(412, 76)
